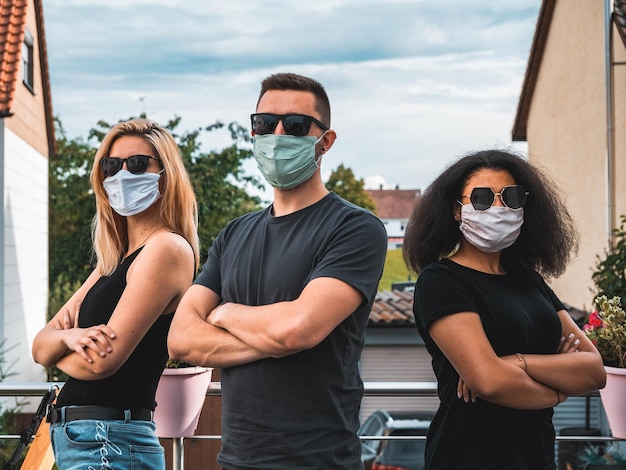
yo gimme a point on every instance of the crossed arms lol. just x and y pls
(206, 333)
(531, 383)
(156, 281)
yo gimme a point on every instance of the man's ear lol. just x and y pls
(328, 140)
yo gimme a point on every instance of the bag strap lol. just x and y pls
(27, 434)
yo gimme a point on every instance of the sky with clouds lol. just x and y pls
(413, 84)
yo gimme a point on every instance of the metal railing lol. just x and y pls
(386, 389)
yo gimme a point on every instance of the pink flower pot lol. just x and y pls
(180, 396)
(614, 400)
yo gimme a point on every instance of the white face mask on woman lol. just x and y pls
(131, 194)
(491, 230)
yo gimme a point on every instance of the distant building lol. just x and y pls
(394, 207)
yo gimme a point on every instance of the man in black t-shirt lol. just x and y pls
(281, 304)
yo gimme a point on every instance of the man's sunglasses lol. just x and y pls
(136, 164)
(513, 197)
(294, 124)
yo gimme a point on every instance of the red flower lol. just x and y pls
(594, 320)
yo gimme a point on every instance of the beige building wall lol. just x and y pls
(566, 132)
(619, 124)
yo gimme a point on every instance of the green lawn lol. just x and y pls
(394, 271)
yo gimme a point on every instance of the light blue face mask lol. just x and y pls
(285, 161)
(131, 194)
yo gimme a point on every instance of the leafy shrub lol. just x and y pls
(609, 276)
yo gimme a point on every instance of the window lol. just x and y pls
(27, 61)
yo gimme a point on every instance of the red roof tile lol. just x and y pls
(393, 308)
(12, 22)
(394, 203)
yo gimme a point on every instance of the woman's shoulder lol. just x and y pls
(442, 270)
(444, 265)
(451, 274)
(168, 244)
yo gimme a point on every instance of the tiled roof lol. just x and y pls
(392, 309)
(394, 203)
(532, 69)
(619, 16)
(12, 30)
(12, 21)
(45, 77)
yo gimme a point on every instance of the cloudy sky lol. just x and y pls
(413, 84)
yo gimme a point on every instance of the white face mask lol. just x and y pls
(131, 194)
(491, 230)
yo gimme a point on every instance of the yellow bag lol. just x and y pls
(39, 455)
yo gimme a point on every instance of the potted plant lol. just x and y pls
(596, 457)
(180, 395)
(606, 328)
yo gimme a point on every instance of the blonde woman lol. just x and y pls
(110, 336)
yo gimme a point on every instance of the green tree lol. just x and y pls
(70, 210)
(219, 180)
(343, 183)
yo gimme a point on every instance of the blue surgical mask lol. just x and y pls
(131, 194)
(285, 161)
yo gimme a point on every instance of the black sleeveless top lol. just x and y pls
(134, 384)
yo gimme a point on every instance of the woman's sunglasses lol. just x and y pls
(136, 164)
(294, 124)
(513, 197)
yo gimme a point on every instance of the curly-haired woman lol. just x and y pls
(504, 349)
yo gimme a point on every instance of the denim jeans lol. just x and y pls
(90, 444)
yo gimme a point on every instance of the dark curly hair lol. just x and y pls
(548, 238)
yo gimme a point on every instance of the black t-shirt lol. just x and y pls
(300, 411)
(518, 313)
(134, 384)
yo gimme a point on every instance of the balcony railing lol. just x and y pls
(386, 389)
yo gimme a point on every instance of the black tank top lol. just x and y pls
(134, 384)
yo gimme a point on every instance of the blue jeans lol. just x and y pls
(89, 444)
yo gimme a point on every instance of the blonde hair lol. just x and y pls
(179, 209)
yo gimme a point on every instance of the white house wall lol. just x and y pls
(25, 254)
(395, 229)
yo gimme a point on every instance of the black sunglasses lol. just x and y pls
(136, 164)
(513, 197)
(294, 124)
